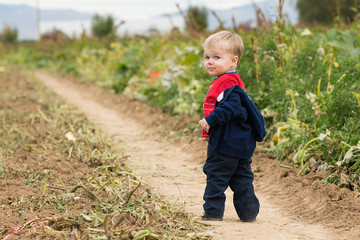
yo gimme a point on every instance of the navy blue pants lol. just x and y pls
(223, 171)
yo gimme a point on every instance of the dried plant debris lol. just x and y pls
(61, 179)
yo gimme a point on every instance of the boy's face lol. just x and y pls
(219, 61)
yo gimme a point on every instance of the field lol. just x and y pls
(305, 84)
(62, 179)
(118, 155)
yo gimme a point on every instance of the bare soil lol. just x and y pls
(170, 160)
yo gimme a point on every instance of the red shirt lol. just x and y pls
(219, 85)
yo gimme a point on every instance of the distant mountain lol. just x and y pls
(64, 15)
(23, 17)
(247, 13)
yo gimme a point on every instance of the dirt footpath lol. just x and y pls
(291, 207)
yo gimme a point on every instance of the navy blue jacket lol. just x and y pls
(235, 124)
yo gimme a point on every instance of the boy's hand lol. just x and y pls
(204, 125)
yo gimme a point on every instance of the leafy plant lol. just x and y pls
(198, 18)
(103, 26)
(9, 35)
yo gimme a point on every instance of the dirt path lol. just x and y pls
(174, 169)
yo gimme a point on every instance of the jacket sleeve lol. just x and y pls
(227, 109)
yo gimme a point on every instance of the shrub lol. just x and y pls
(9, 35)
(104, 26)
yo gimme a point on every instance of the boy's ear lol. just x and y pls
(235, 60)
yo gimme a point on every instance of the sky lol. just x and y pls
(129, 9)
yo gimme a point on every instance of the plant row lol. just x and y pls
(305, 82)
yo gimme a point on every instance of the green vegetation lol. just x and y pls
(104, 26)
(325, 11)
(197, 18)
(305, 81)
(9, 35)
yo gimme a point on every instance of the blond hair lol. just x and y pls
(226, 40)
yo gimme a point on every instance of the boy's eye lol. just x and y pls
(216, 57)
(207, 57)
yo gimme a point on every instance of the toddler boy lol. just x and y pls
(233, 124)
